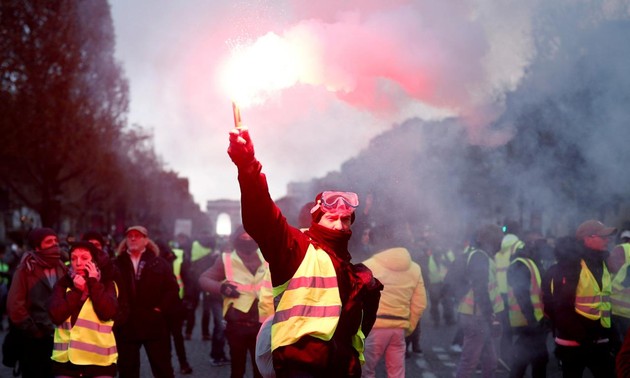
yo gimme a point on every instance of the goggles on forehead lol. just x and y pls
(333, 201)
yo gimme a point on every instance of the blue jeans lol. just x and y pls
(478, 346)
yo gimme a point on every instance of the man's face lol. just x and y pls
(49, 241)
(596, 242)
(136, 241)
(336, 221)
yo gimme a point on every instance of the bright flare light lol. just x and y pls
(255, 71)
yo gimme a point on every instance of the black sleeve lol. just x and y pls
(478, 269)
(519, 278)
(64, 303)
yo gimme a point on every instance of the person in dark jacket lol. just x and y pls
(151, 292)
(480, 308)
(238, 278)
(83, 305)
(31, 288)
(311, 274)
(576, 296)
(526, 314)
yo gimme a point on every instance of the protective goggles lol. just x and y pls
(331, 201)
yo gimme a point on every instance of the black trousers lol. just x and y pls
(158, 352)
(530, 347)
(242, 340)
(596, 357)
(35, 360)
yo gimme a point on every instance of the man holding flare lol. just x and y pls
(325, 305)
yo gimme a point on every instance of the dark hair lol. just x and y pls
(93, 235)
(95, 252)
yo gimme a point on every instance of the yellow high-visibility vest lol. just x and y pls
(247, 284)
(502, 259)
(467, 304)
(620, 296)
(89, 342)
(437, 270)
(517, 319)
(198, 251)
(591, 301)
(177, 269)
(310, 304)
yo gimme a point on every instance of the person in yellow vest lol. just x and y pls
(509, 245)
(239, 277)
(525, 312)
(82, 307)
(202, 256)
(439, 261)
(576, 296)
(5, 278)
(618, 263)
(481, 305)
(324, 304)
(175, 318)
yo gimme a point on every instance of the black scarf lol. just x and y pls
(332, 241)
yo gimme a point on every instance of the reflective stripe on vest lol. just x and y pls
(591, 301)
(247, 284)
(89, 342)
(517, 319)
(467, 304)
(307, 304)
(198, 251)
(620, 296)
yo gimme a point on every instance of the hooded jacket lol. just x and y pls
(404, 297)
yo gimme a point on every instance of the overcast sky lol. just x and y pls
(370, 64)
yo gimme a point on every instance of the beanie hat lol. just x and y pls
(93, 235)
(305, 216)
(240, 230)
(37, 235)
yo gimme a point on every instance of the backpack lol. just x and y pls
(12, 349)
(456, 281)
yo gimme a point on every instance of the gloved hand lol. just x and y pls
(241, 149)
(229, 290)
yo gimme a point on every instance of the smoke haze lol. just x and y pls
(374, 64)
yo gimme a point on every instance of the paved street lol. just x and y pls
(435, 361)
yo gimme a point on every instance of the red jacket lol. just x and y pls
(284, 248)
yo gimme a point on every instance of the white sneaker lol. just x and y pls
(456, 348)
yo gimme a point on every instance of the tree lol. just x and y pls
(63, 102)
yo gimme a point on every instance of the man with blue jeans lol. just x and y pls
(478, 309)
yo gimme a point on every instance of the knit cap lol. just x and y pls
(37, 235)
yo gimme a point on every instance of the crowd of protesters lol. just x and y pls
(569, 289)
(308, 301)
